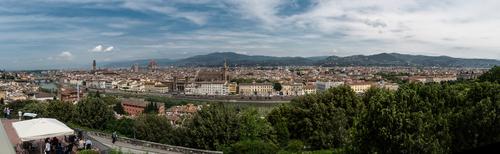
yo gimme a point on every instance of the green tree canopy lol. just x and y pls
(277, 86)
(312, 118)
(39, 108)
(153, 128)
(63, 111)
(493, 75)
(151, 108)
(93, 112)
(253, 147)
(118, 108)
(218, 126)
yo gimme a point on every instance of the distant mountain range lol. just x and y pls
(382, 59)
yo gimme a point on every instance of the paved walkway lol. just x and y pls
(7, 123)
(5, 145)
(129, 148)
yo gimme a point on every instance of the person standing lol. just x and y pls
(8, 113)
(5, 112)
(88, 144)
(47, 147)
(114, 137)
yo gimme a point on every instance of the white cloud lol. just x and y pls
(101, 48)
(263, 10)
(110, 48)
(198, 18)
(65, 55)
(112, 33)
(391, 25)
(98, 48)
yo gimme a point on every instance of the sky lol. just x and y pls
(43, 34)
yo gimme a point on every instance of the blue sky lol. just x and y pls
(40, 34)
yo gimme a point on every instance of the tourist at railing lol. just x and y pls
(88, 144)
(114, 137)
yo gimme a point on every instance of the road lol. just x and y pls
(129, 148)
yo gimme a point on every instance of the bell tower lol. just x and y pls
(225, 71)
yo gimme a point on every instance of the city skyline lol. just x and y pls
(44, 34)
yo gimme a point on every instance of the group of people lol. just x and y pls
(6, 112)
(54, 146)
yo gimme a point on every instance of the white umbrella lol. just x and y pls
(40, 128)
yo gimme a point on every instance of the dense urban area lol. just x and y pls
(249, 76)
(273, 109)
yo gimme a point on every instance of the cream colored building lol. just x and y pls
(360, 87)
(294, 89)
(443, 78)
(155, 87)
(259, 89)
(211, 88)
(232, 88)
(309, 89)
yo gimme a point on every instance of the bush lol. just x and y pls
(295, 146)
(253, 147)
(88, 152)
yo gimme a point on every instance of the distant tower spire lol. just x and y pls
(225, 63)
(225, 69)
(94, 65)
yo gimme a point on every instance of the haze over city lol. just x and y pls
(46, 34)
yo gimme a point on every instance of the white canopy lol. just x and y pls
(40, 128)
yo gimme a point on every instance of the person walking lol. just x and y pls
(114, 137)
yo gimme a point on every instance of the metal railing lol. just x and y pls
(154, 145)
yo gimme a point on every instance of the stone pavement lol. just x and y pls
(7, 123)
(129, 148)
(5, 146)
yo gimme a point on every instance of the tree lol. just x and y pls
(93, 112)
(153, 128)
(63, 111)
(38, 108)
(253, 147)
(312, 118)
(295, 146)
(217, 127)
(493, 75)
(279, 120)
(475, 120)
(110, 100)
(118, 108)
(19, 105)
(123, 126)
(277, 86)
(2, 101)
(253, 127)
(151, 108)
(400, 123)
(214, 128)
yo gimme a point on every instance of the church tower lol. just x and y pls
(225, 71)
(94, 66)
